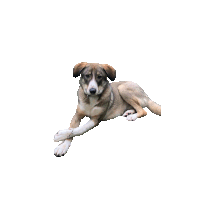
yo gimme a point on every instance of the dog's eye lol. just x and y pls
(87, 76)
(99, 77)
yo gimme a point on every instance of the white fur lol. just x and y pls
(92, 84)
(62, 148)
(82, 129)
(68, 133)
(62, 135)
(132, 117)
(128, 112)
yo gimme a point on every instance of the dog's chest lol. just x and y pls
(90, 109)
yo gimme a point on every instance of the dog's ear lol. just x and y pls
(78, 68)
(110, 71)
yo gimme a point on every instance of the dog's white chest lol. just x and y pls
(90, 108)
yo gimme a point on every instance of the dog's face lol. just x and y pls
(94, 77)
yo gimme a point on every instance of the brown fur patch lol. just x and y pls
(110, 71)
(77, 118)
(129, 96)
(78, 68)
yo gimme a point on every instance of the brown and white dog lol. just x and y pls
(100, 101)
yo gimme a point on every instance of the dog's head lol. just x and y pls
(94, 76)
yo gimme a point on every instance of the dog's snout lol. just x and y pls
(92, 90)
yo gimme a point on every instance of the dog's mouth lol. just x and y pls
(93, 91)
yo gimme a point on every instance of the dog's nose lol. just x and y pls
(92, 90)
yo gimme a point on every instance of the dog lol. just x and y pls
(100, 101)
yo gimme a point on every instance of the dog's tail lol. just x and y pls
(154, 107)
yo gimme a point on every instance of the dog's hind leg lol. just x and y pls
(140, 111)
(129, 95)
(128, 112)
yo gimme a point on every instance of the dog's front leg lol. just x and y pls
(63, 134)
(63, 147)
(76, 120)
(83, 129)
(69, 133)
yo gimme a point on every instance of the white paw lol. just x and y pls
(62, 135)
(132, 117)
(128, 112)
(62, 148)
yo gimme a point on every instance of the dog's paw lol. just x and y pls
(128, 112)
(132, 117)
(62, 148)
(62, 135)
